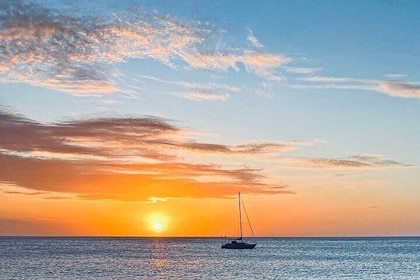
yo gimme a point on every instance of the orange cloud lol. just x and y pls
(123, 159)
(136, 159)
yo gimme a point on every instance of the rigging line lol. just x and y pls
(240, 213)
(249, 223)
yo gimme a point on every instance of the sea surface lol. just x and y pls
(202, 258)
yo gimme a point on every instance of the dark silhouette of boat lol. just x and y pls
(238, 243)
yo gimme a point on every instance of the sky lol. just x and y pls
(146, 118)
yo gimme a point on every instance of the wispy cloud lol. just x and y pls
(342, 83)
(400, 88)
(205, 95)
(360, 161)
(303, 70)
(396, 88)
(325, 79)
(339, 175)
(196, 91)
(125, 159)
(254, 41)
(259, 63)
(77, 54)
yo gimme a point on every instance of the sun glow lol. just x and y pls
(157, 222)
(157, 226)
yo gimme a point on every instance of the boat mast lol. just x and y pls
(240, 214)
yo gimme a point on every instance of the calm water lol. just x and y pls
(202, 258)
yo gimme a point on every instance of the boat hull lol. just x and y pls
(238, 245)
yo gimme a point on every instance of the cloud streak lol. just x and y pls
(205, 95)
(361, 161)
(195, 91)
(395, 88)
(400, 88)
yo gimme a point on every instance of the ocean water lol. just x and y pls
(202, 258)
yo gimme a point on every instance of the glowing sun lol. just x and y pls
(157, 222)
(157, 226)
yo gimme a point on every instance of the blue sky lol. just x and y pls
(297, 88)
(339, 49)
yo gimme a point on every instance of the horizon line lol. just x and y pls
(200, 237)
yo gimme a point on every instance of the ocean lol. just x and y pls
(202, 258)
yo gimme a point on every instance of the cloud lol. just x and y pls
(124, 159)
(261, 64)
(378, 161)
(325, 79)
(263, 147)
(325, 82)
(24, 193)
(50, 50)
(205, 95)
(133, 159)
(396, 88)
(77, 54)
(400, 88)
(303, 70)
(195, 91)
(254, 41)
(360, 161)
(338, 175)
(395, 76)
(191, 85)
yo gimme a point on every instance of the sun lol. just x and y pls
(156, 222)
(157, 226)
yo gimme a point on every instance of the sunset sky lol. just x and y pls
(146, 118)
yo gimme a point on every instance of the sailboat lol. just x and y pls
(238, 243)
